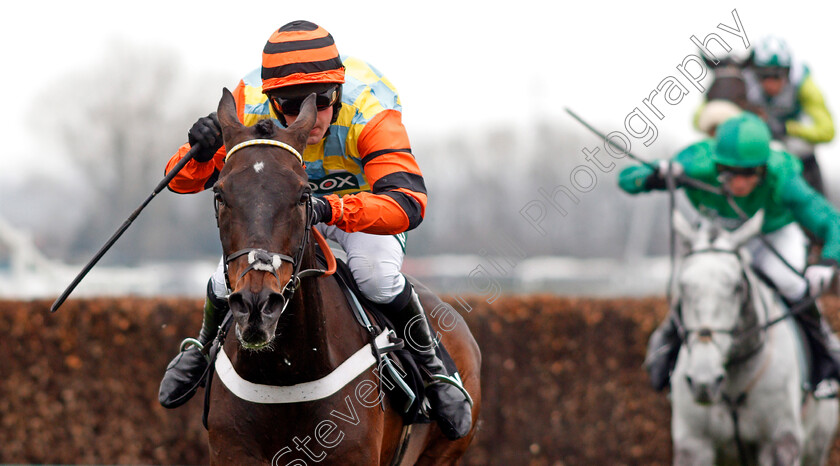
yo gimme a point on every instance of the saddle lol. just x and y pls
(403, 381)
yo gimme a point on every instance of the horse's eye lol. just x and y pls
(304, 198)
(218, 198)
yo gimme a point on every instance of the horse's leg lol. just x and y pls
(226, 447)
(693, 451)
(689, 421)
(820, 418)
(464, 350)
(690, 445)
(784, 450)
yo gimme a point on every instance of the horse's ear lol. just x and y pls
(227, 115)
(305, 121)
(711, 64)
(749, 229)
(750, 60)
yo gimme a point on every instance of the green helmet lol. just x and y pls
(772, 52)
(742, 141)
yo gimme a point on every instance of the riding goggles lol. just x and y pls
(291, 106)
(771, 73)
(741, 171)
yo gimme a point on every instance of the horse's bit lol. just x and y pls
(706, 334)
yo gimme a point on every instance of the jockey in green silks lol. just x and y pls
(739, 160)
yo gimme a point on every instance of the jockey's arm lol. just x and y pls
(636, 179)
(397, 201)
(814, 212)
(821, 127)
(195, 176)
(641, 178)
(198, 176)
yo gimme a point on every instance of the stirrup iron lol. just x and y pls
(454, 381)
(188, 342)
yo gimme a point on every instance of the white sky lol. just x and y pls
(459, 65)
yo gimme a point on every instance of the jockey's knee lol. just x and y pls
(218, 283)
(379, 281)
(792, 290)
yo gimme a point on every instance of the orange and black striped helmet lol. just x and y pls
(300, 53)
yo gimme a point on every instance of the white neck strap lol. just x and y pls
(331, 383)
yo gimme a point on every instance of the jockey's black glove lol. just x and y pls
(321, 210)
(658, 179)
(206, 132)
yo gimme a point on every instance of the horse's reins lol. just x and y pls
(262, 260)
(707, 333)
(670, 180)
(738, 401)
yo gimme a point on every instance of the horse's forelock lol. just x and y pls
(265, 129)
(719, 238)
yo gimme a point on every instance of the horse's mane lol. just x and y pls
(715, 231)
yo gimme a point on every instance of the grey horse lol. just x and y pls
(737, 395)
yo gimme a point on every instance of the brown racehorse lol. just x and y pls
(729, 84)
(292, 328)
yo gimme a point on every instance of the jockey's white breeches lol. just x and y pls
(374, 260)
(792, 244)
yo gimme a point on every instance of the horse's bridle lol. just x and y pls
(266, 261)
(706, 334)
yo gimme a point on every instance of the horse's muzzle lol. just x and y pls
(707, 390)
(256, 316)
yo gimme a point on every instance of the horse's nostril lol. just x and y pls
(237, 303)
(275, 302)
(689, 381)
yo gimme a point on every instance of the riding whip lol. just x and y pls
(609, 140)
(681, 178)
(163, 183)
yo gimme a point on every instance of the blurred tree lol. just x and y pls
(118, 121)
(495, 174)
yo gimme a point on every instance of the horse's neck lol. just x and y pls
(742, 377)
(314, 336)
(764, 299)
(753, 349)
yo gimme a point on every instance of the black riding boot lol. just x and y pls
(450, 407)
(183, 374)
(662, 352)
(825, 347)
